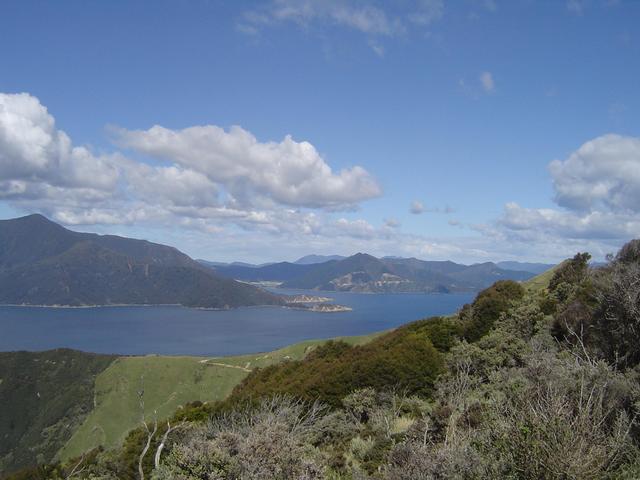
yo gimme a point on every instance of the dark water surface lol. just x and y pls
(169, 330)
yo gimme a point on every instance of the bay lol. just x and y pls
(174, 330)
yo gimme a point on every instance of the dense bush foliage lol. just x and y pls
(521, 384)
(404, 358)
(488, 306)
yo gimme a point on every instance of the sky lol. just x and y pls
(467, 130)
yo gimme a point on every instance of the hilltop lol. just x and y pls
(43, 263)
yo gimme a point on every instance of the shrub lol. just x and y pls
(269, 441)
(488, 306)
(617, 317)
(571, 271)
(404, 358)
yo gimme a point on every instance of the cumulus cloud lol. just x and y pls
(202, 178)
(603, 174)
(287, 172)
(417, 207)
(173, 185)
(598, 191)
(38, 159)
(486, 80)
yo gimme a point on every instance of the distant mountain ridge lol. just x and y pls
(312, 259)
(365, 273)
(43, 263)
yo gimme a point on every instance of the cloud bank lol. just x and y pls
(200, 175)
(246, 196)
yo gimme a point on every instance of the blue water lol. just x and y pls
(169, 330)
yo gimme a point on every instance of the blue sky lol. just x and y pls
(455, 110)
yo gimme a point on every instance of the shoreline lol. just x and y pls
(291, 306)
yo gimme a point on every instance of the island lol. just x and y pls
(313, 303)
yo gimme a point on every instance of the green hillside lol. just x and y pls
(44, 397)
(168, 383)
(541, 281)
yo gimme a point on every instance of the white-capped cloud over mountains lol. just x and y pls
(226, 186)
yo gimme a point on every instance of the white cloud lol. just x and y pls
(602, 175)
(36, 156)
(417, 207)
(365, 18)
(352, 228)
(209, 180)
(565, 224)
(598, 188)
(172, 185)
(372, 19)
(486, 80)
(227, 185)
(287, 172)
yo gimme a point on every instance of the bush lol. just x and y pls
(488, 306)
(269, 441)
(571, 271)
(617, 317)
(404, 358)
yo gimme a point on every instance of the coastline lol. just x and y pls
(291, 306)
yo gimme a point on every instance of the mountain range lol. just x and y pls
(365, 273)
(43, 263)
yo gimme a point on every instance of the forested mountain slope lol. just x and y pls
(42, 263)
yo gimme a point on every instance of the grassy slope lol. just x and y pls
(541, 282)
(168, 383)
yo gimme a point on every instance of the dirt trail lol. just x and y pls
(218, 364)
